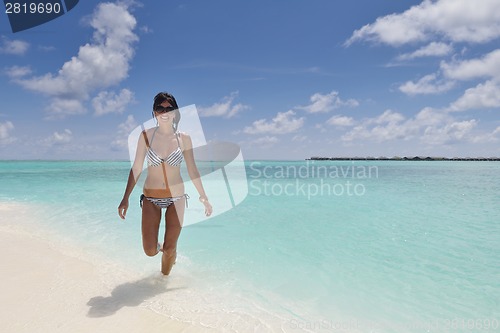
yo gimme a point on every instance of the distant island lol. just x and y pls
(397, 158)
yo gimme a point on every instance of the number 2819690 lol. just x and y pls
(32, 8)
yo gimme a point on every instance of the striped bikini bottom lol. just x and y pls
(163, 202)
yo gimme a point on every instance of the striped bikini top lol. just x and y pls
(175, 158)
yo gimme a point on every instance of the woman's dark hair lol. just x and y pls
(165, 96)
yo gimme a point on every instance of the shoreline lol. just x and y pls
(48, 288)
(50, 284)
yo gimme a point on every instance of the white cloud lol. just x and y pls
(266, 140)
(225, 108)
(299, 138)
(484, 95)
(493, 136)
(124, 129)
(449, 133)
(439, 24)
(15, 47)
(430, 117)
(59, 138)
(5, 133)
(110, 102)
(327, 103)
(447, 20)
(145, 29)
(434, 49)
(456, 20)
(429, 126)
(428, 84)
(16, 72)
(387, 126)
(388, 117)
(100, 64)
(321, 128)
(342, 121)
(283, 123)
(60, 107)
(487, 66)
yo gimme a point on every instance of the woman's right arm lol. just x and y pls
(133, 177)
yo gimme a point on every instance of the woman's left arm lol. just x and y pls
(193, 172)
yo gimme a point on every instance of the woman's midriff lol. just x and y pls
(157, 193)
(155, 187)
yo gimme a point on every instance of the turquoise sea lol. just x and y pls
(325, 246)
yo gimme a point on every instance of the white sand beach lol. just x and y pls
(46, 288)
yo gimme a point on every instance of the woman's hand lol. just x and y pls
(208, 206)
(122, 208)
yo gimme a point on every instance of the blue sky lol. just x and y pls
(284, 80)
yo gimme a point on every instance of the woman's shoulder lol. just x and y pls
(146, 135)
(149, 131)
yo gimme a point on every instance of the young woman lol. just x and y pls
(165, 149)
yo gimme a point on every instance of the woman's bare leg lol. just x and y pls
(151, 217)
(174, 217)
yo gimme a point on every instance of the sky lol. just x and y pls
(285, 80)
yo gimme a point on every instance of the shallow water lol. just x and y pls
(380, 246)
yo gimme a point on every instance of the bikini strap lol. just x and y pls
(177, 134)
(153, 136)
(145, 138)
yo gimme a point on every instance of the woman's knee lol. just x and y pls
(150, 251)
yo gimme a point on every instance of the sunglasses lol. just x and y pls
(164, 109)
